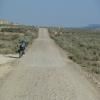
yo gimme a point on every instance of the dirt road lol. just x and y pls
(45, 74)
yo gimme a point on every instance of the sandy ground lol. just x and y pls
(44, 73)
(7, 58)
(5, 66)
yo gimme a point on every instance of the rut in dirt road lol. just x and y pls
(44, 74)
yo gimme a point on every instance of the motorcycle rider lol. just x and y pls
(22, 46)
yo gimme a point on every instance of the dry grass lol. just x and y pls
(10, 37)
(83, 46)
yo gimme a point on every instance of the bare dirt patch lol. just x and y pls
(5, 64)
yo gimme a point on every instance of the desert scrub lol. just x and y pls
(10, 37)
(83, 46)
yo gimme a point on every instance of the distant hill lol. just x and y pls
(93, 26)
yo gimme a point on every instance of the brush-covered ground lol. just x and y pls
(83, 46)
(10, 36)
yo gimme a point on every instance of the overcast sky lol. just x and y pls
(68, 13)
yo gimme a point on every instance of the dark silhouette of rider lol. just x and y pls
(22, 46)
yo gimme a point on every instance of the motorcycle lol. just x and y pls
(21, 53)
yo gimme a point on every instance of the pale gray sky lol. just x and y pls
(70, 13)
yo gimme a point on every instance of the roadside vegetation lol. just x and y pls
(83, 46)
(10, 36)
